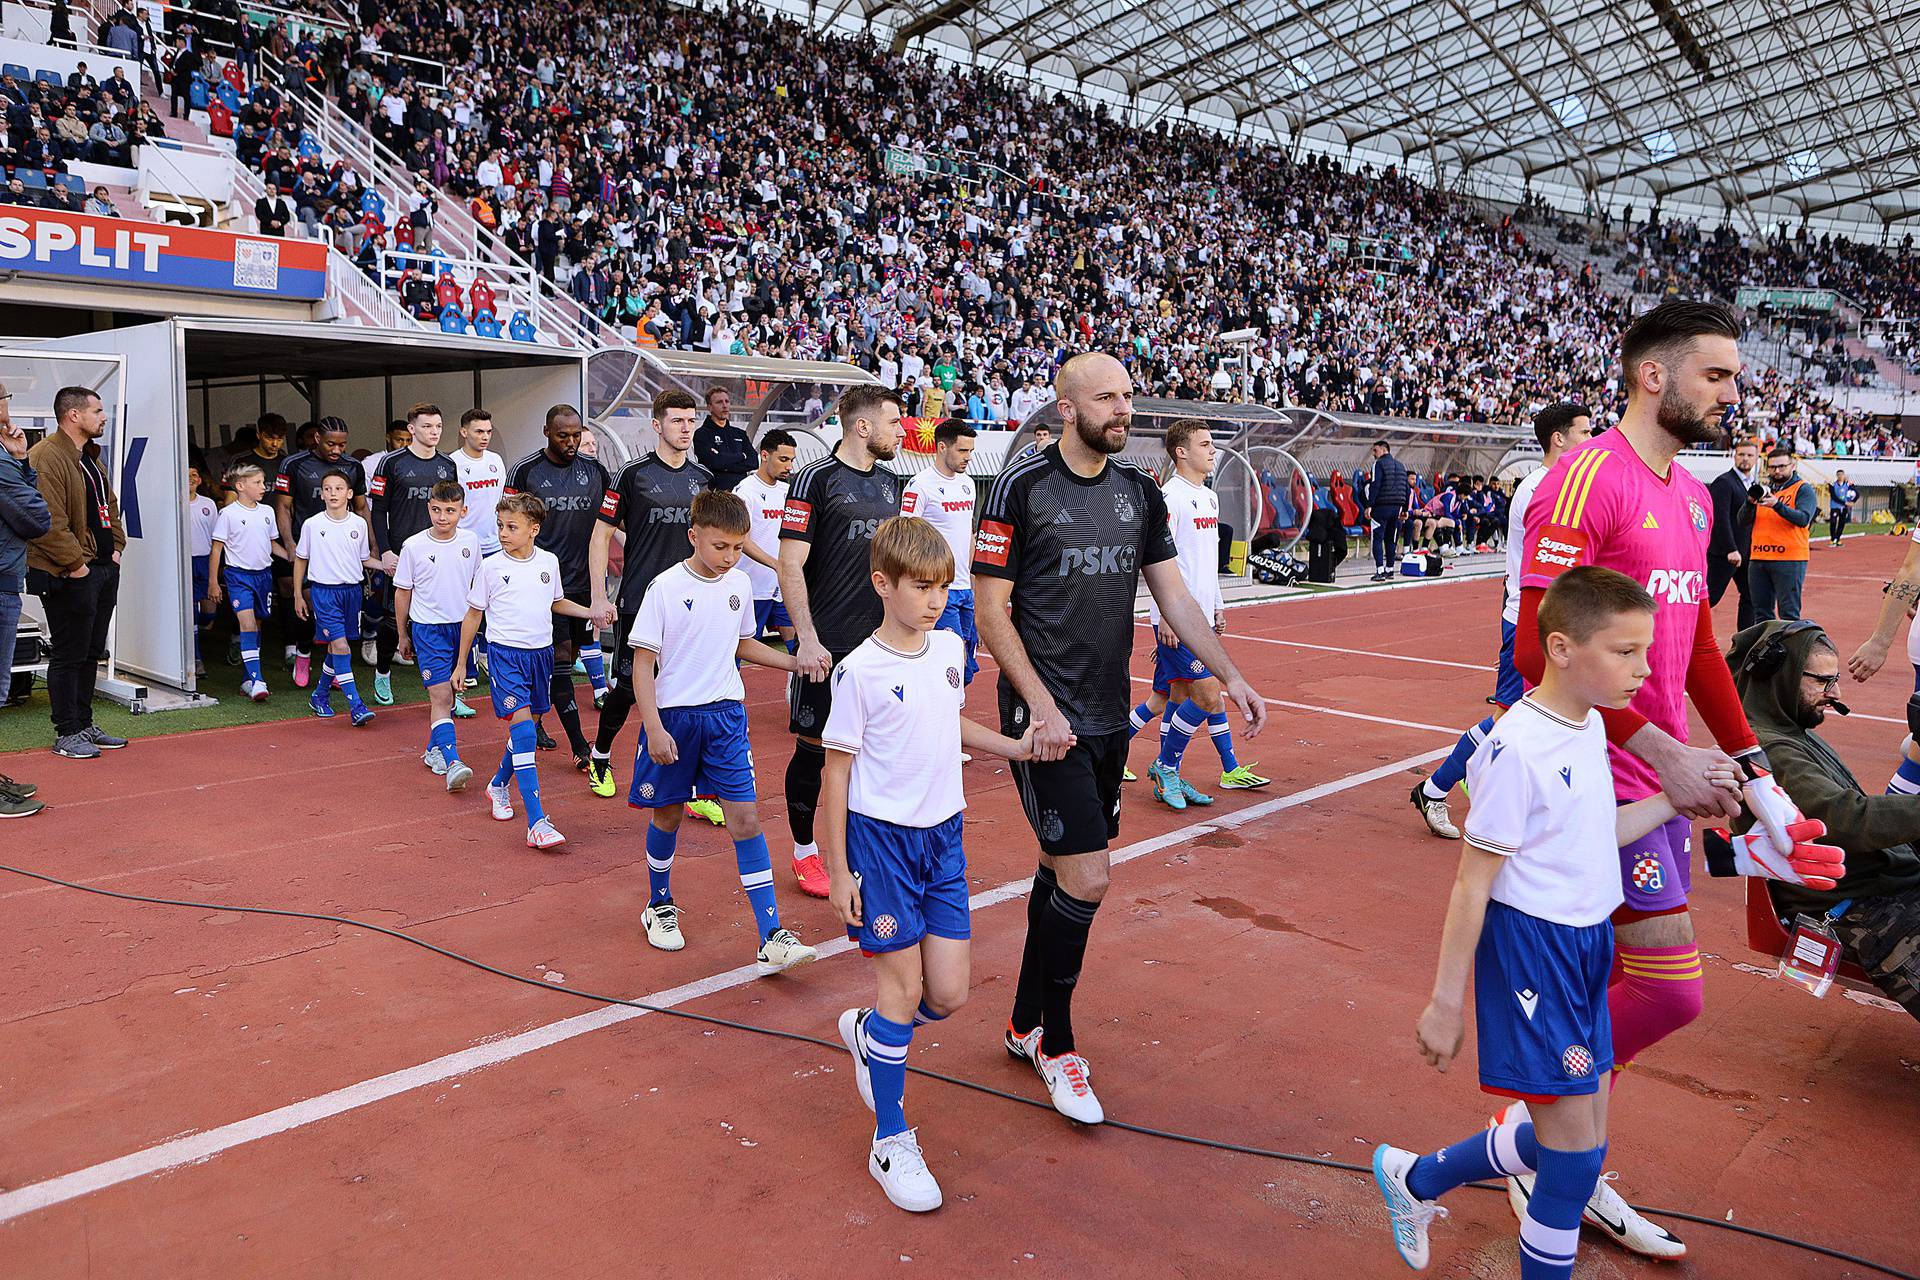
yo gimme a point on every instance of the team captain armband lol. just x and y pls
(1557, 550)
(379, 486)
(993, 543)
(798, 516)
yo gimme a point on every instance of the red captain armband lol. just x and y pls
(610, 504)
(1557, 550)
(797, 516)
(993, 544)
(281, 484)
(379, 487)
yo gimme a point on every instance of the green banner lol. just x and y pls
(1785, 299)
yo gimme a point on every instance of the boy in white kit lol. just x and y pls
(765, 493)
(890, 831)
(1193, 515)
(245, 541)
(201, 514)
(694, 628)
(431, 584)
(943, 496)
(329, 567)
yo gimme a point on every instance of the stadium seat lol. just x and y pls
(199, 94)
(72, 182)
(234, 78)
(452, 321)
(520, 328)
(485, 325)
(309, 148)
(31, 179)
(54, 78)
(227, 96)
(219, 119)
(17, 71)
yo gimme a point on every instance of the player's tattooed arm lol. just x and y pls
(1895, 604)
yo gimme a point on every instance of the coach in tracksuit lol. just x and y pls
(1386, 499)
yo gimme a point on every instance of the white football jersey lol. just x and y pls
(517, 596)
(898, 715)
(766, 504)
(1193, 514)
(485, 479)
(946, 503)
(247, 533)
(695, 624)
(201, 513)
(1517, 540)
(440, 574)
(335, 550)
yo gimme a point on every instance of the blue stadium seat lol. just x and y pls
(229, 97)
(72, 182)
(520, 328)
(53, 78)
(199, 95)
(451, 321)
(17, 71)
(31, 179)
(309, 148)
(485, 325)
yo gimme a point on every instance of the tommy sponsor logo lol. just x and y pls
(993, 543)
(1558, 550)
(1206, 522)
(483, 482)
(797, 515)
(956, 506)
(1098, 561)
(1677, 586)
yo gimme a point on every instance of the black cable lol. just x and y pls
(1148, 1131)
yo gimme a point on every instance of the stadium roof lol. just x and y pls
(1734, 106)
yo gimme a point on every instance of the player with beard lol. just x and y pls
(834, 507)
(1064, 538)
(1619, 501)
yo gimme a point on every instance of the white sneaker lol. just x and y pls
(502, 800)
(1605, 1210)
(435, 761)
(853, 1034)
(369, 652)
(1408, 1216)
(1066, 1081)
(783, 951)
(1434, 812)
(662, 924)
(543, 835)
(965, 758)
(458, 776)
(1026, 1048)
(897, 1165)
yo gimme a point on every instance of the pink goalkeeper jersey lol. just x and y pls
(1602, 505)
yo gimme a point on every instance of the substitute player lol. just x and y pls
(890, 821)
(693, 629)
(1529, 918)
(432, 578)
(833, 508)
(1065, 537)
(1193, 516)
(1558, 428)
(765, 493)
(241, 559)
(943, 496)
(651, 503)
(1619, 501)
(329, 567)
(570, 487)
(401, 492)
(516, 594)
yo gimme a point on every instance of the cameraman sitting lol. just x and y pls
(1788, 674)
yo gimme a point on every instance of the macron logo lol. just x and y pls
(1494, 748)
(1566, 776)
(1529, 1001)
(900, 692)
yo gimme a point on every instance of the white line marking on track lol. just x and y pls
(200, 1147)
(1335, 711)
(1363, 653)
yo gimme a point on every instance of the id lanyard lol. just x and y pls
(1813, 952)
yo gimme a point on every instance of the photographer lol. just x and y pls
(1783, 511)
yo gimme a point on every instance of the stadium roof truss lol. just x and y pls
(1762, 111)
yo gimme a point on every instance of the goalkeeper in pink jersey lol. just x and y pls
(1621, 502)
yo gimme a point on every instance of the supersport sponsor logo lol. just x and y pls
(797, 515)
(1558, 549)
(993, 543)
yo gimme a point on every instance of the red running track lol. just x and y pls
(189, 1093)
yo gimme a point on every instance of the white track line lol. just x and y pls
(1362, 653)
(199, 1147)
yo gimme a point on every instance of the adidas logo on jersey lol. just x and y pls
(1649, 522)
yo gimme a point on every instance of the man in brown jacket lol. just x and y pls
(75, 567)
